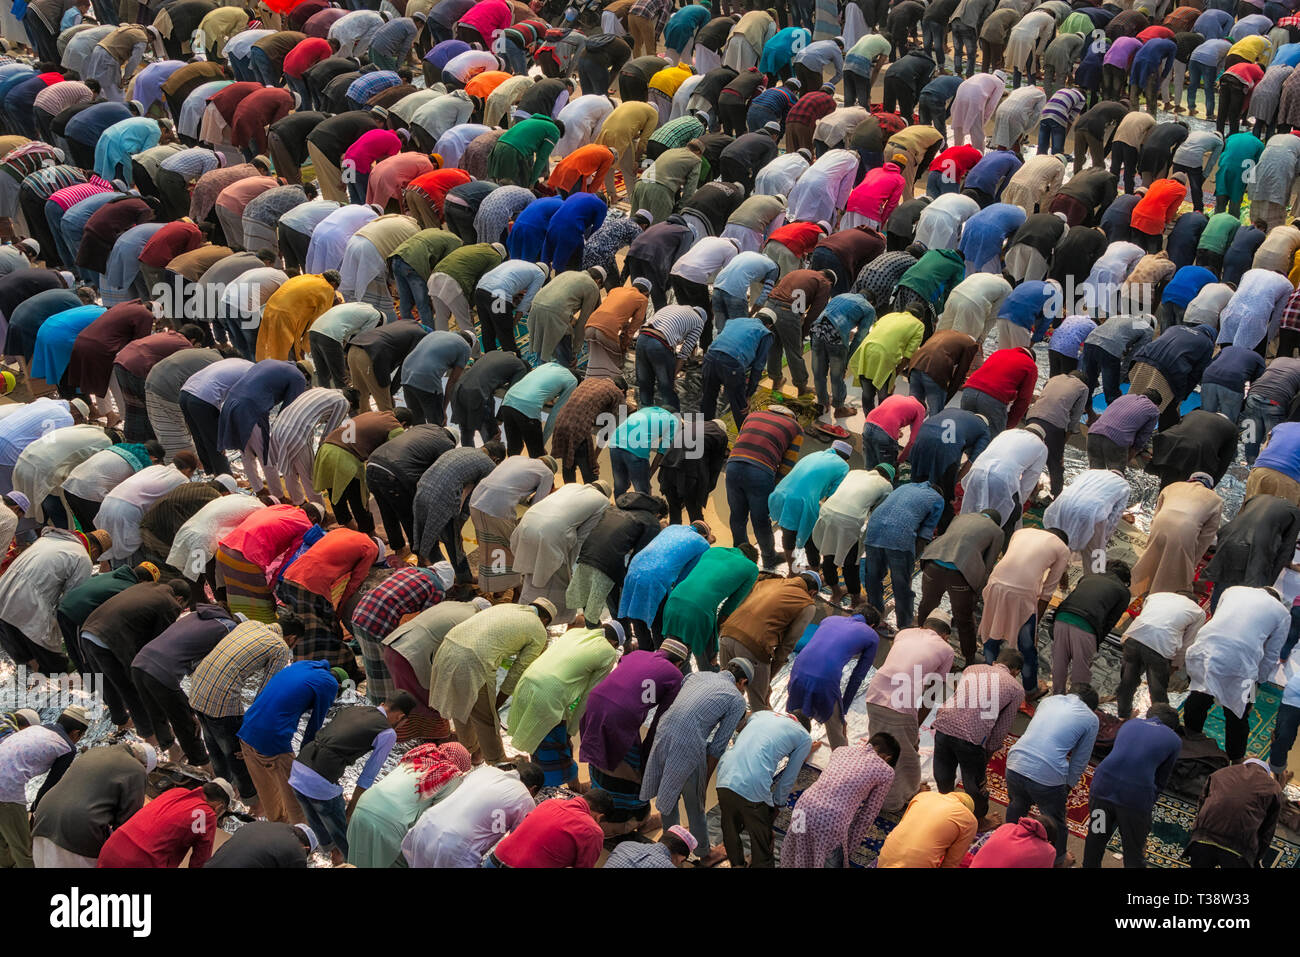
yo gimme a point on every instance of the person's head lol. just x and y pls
(262, 165)
(1049, 827)
(530, 774)
(1166, 715)
(98, 542)
(811, 580)
(869, 612)
(1120, 570)
(1061, 534)
(313, 512)
(674, 650)
(805, 722)
(26, 718)
(16, 502)
(219, 794)
(1155, 397)
(74, 721)
(842, 449)
(885, 745)
(186, 462)
(495, 450)
(940, 622)
(180, 591)
(1087, 694)
(742, 672)
(404, 417)
(266, 256)
(1011, 659)
(193, 332)
(291, 629)
(87, 295)
(599, 803)
(332, 277)
(397, 706)
(749, 551)
(680, 844)
(545, 610)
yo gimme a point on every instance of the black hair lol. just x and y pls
(313, 511)
(1155, 397)
(354, 399)
(1087, 694)
(402, 701)
(215, 792)
(495, 450)
(266, 255)
(1012, 659)
(1166, 715)
(154, 449)
(737, 672)
(332, 277)
(405, 417)
(531, 775)
(600, 802)
(1049, 827)
(291, 626)
(804, 721)
(886, 745)
(869, 612)
(674, 844)
(180, 589)
(749, 551)
(1120, 570)
(1060, 533)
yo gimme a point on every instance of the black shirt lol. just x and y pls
(336, 134)
(752, 150)
(713, 83)
(608, 50)
(745, 85)
(1100, 600)
(714, 34)
(1097, 120)
(915, 69)
(1158, 148)
(409, 455)
(539, 99)
(1078, 252)
(261, 844)
(294, 129)
(487, 374)
(388, 345)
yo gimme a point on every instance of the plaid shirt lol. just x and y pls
(811, 107)
(216, 687)
(368, 84)
(656, 10)
(1291, 312)
(405, 592)
(678, 132)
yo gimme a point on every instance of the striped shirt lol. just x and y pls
(50, 179)
(368, 84)
(216, 687)
(768, 439)
(680, 326)
(1064, 106)
(27, 159)
(191, 163)
(70, 196)
(294, 429)
(58, 97)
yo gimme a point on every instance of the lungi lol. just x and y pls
(655, 198)
(328, 176)
(555, 756)
(247, 592)
(166, 423)
(496, 569)
(424, 722)
(379, 683)
(136, 424)
(322, 636)
(1143, 377)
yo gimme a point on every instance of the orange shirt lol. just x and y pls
(482, 85)
(585, 165)
(335, 566)
(1158, 207)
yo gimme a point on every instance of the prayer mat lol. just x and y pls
(804, 407)
(1262, 719)
(864, 855)
(1193, 401)
(1076, 804)
(1171, 827)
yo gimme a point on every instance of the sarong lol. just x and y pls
(555, 756)
(322, 637)
(496, 562)
(247, 592)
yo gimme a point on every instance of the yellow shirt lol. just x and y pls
(630, 122)
(936, 831)
(220, 25)
(1256, 49)
(667, 81)
(289, 313)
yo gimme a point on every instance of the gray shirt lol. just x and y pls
(511, 483)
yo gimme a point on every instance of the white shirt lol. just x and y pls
(456, 832)
(25, 754)
(705, 259)
(330, 238)
(582, 118)
(1168, 623)
(195, 542)
(778, 177)
(1094, 500)
(98, 475)
(1238, 647)
(1009, 466)
(45, 463)
(32, 587)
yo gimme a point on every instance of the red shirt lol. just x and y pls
(258, 111)
(335, 566)
(268, 533)
(557, 833)
(163, 831)
(1008, 375)
(1158, 207)
(227, 99)
(437, 184)
(811, 107)
(1155, 30)
(306, 54)
(799, 238)
(1248, 73)
(957, 159)
(1023, 844)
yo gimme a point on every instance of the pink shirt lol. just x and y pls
(268, 533)
(916, 655)
(488, 17)
(878, 193)
(894, 413)
(389, 177)
(371, 147)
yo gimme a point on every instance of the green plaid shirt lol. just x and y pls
(678, 133)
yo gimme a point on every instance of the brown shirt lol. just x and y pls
(762, 620)
(945, 357)
(620, 315)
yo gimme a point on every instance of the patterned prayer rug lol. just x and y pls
(1171, 826)
(1076, 805)
(1262, 719)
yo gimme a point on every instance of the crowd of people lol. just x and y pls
(294, 305)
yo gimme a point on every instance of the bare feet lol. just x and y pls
(1284, 777)
(837, 595)
(1067, 861)
(844, 411)
(579, 621)
(715, 856)
(990, 821)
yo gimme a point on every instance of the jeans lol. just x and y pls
(224, 747)
(656, 371)
(932, 37)
(263, 70)
(1027, 644)
(427, 407)
(1051, 137)
(829, 365)
(1134, 825)
(925, 389)
(981, 403)
(952, 753)
(1198, 75)
(1284, 734)
(412, 292)
(720, 372)
(748, 487)
(1220, 398)
(1098, 363)
(726, 306)
(878, 446)
(1259, 416)
(964, 42)
(1050, 799)
(328, 819)
(899, 564)
(630, 471)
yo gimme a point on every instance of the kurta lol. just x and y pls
(796, 501)
(839, 808)
(843, 516)
(555, 687)
(617, 707)
(1030, 570)
(657, 568)
(697, 727)
(1184, 525)
(893, 337)
(1089, 508)
(713, 589)
(470, 654)
(1005, 473)
(548, 537)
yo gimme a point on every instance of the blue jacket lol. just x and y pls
(272, 718)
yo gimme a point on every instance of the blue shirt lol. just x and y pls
(1213, 24)
(910, 512)
(818, 668)
(743, 271)
(1069, 335)
(647, 430)
(1156, 56)
(1187, 282)
(1181, 244)
(548, 381)
(852, 316)
(1282, 454)
(1054, 749)
(992, 172)
(1233, 367)
(1139, 764)
(747, 341)
(272, 718)
(749, 767)
(1027, 307)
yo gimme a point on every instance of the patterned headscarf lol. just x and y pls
(436, 764)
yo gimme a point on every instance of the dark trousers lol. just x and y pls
(1284, 735)
(497, 319)
(656, 373)
(202, 419)
(1054, 439)
(581, 464)
(226, 750)
(174, 193)
(878, 446)
(1137, 658)
(353, 506)
(83, 510)
(396, 506)
(952, 753)
(1106, 453)
(688, 293)
(723, 372)
(790, 541)
(1025, 791)
(169, 712)
(938, 580)
(520, 431)
(748, 488)
(831, 571)
(1235, 730)
(1200, 854)
(23, 650)
(1100, 364)
(327, 356)
(1134, 825)
(118, 685)
(739, 816)
(1232, 103)
(1124, 160)
(899, 565)
(427, 407)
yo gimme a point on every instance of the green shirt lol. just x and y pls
(89, 595)
(427, 248)
(1218, 232)
(467, 265)
(535, 137)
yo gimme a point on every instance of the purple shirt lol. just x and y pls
(618, 706)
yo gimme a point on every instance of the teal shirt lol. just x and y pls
(548, 381)
(647, 430)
